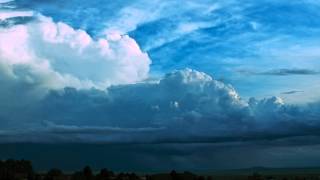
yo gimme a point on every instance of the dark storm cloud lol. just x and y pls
(183, 107)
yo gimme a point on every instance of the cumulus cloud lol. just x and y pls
(38, 55)
(183, 106)
(187, 100)
(54, 55)
(180, 98)
(61, 84)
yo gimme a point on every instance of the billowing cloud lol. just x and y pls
(54, 55)
(180, 98)
(38, 55)
(183, 106)
(59, 83)
(191, 101)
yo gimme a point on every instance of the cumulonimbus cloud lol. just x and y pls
(39, 55)
(183, 106)
(60, 84)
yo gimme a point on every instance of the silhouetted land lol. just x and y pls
(23, 170)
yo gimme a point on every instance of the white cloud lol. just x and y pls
(54, 55)
(42, 55)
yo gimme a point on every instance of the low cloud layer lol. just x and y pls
(184, 106)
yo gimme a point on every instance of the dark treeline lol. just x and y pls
(22, 170)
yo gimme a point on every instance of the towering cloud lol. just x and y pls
(39, 55)
(183, 98)
(183, 106)
(54, 55)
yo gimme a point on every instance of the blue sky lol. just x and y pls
(232, 71)
(222, 38)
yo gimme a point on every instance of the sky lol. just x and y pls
(194, 83)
